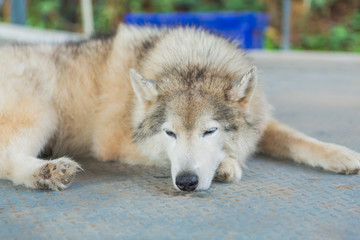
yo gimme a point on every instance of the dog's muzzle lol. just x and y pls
(187, 181)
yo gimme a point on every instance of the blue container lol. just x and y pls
(246, 27)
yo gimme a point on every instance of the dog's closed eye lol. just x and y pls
(170, 133)
(209, 132)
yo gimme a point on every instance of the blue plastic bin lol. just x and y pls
(246, 27)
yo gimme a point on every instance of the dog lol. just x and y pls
(180, 97)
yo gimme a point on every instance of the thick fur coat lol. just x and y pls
(181, 97)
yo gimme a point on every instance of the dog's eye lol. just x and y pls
(209, 131)
(170, 133)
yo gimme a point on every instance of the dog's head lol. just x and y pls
(195, 120)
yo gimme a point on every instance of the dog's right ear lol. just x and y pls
(145, 89)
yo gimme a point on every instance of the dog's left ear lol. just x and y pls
(243, 88)
(145, 89)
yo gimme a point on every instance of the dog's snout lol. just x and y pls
(187, 181)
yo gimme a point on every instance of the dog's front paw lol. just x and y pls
(228, 171)
(56, 174)
(342, 160)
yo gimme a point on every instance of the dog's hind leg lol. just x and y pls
(279, 140)
(25, 128)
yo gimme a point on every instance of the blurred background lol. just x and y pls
(327, 25)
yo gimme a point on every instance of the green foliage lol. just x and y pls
(355, 22)
(65, 14)
(270, 44)
(54, 14)
(165, 5)
(317, 42)
(342, 37)
(244, 5)
(339, 37)
(41, 13)
(103, 15)
(320, 4)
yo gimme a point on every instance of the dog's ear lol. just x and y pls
(243, 88)
(145, 89)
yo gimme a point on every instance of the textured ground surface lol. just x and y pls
(316, 93)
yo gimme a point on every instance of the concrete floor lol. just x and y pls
(317, 93)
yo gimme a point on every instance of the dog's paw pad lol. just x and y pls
(228, 171)
(56, 174)
(45, 172)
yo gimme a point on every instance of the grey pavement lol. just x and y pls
(317, 93)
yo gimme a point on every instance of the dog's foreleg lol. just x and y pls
(279, 140)
(24, 130)
(229, 170)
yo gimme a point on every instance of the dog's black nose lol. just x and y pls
(187, 181)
